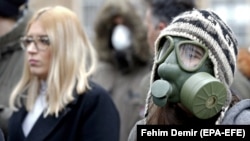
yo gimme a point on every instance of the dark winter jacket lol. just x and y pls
(92, 116)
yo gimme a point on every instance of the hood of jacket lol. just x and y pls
(103, 28)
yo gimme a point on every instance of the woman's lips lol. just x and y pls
(33, 62)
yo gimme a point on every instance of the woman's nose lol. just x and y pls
(32, 47)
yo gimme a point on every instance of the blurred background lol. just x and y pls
(234, 12)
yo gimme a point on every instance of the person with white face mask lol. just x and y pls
(124, 59)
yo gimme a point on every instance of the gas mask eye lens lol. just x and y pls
(191, 55)
(166, 46)
(164, 49)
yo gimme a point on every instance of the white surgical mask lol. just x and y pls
(121, 37)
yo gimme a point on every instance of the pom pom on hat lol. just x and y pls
(10, 8)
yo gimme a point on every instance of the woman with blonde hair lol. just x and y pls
(55, 98)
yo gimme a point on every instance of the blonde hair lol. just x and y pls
(71, 51)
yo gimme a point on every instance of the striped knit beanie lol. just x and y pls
(205, 27)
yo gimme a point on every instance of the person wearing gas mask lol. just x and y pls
(193, 69)
(124, 59)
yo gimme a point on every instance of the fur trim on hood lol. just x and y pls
(104, 25)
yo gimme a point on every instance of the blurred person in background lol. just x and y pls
(121, 42)
(55, 98)
(14, 15)
(159, 13)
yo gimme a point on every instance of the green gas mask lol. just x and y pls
(184, 74)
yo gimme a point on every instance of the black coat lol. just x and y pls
(92, 116)
(1, 135)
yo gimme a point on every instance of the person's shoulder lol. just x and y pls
(97, 89)
(238, 114)
(133, 132)
(99, 99)
(97, 92)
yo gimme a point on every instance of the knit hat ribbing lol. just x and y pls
(205, 27)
